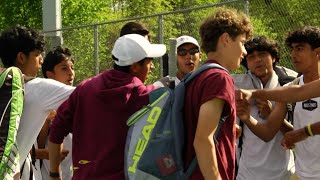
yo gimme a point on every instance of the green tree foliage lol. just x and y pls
(26, 13)
(273, 18)
(79, 12)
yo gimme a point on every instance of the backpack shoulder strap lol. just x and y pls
(283, 76)
(291, 106)
(186, 80)
(11, 84)
(196, 73)
(202, 68)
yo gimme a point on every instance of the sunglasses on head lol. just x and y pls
(183, 52)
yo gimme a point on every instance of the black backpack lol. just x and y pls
(283, 76)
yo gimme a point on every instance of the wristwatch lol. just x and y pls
(54, 174)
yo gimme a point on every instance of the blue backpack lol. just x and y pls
(155, 139)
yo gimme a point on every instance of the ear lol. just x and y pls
(21, 58)
(134, 68)
(200, 56)
(50, 74)
(317, 50)
(224, 39)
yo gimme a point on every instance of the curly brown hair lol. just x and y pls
(223, 21)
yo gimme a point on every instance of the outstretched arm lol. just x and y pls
(292, 93)
(292, 137)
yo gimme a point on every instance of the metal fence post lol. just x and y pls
(96, 50)
(246, 7)
(51, 20)
(160, 25)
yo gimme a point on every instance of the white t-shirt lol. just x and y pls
(66, 164)
(307, 151)
(41, 97)
(159, 83)
(259, 159)
(36, 173)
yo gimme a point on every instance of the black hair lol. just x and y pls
(134, 28)
(306, 34)
(125, 69)
(261, 43)
(55, 57)
(19, 39)
(130, 28)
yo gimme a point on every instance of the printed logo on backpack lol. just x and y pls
(144, 128)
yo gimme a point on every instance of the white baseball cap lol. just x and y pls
(131, 48)
(186, 39)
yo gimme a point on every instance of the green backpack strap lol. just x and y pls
(11, 106)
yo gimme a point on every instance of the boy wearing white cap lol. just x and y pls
(97, 111)
(188, 59)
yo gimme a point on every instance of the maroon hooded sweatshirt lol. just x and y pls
(96, 114)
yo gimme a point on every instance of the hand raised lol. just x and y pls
(243, 109)
(243, 94)
(264, 107)
(292, 137)
(63, 154)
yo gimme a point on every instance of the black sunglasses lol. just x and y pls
(183, 52)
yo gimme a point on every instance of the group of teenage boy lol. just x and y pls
(96, 111)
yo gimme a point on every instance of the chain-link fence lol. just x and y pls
(275, 18)
(92, 44)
